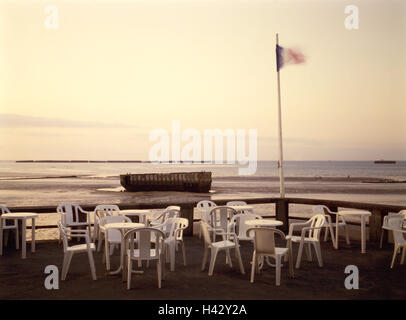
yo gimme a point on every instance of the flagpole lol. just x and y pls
(280, 162)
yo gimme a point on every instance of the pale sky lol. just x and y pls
(115, 70)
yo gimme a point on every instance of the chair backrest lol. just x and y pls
(204, 207)
(392, 215)
(321, 210)
(396, 223)
(205, 231)
(317, 221)
(220, 216)
(69, 213)
(4, 209)
(167, 214)
(148, 249)
(264, 239)
(236, 203)
(238, 223)
(175, 227)
(103, 210)
(113, 234)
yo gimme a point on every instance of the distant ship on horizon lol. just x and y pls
(385, 161)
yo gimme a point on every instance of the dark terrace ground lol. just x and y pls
(24, 279)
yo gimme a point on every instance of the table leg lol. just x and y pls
(362, 234)
(23, 239)
(336, 246)
(33, 235)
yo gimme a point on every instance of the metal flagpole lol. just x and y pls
(280, 162)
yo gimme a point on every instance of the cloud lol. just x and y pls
(19, 121)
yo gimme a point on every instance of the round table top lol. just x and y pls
(19, 215)
(134, 212)
(354, 213)
(123, 225)
(264, 222)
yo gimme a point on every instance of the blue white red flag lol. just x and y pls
(286, 56)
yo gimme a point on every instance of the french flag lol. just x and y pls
(286, 56)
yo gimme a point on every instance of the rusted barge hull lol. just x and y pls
(178, 181)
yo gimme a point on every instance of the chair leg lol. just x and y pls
(99, 242)
(326, 234)
(107, 254)
(159, 271)
(299, 255)
(66, 262)
(228, 258)
(318, 253)
(238, 254)
(172, 256)
(395, 251)
(129, 272)
(278, 269)
(309, 252)
(213, 257)
(333, 239)
(206, 252)
(253, 266)
(91, 262)
(64, 265)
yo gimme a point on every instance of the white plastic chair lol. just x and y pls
(160, 218)
(238, 226)
(330, 225)
(112, 237)
(395, 224)
(70, 216)
(215, 247)
(174, 238)
(204, 208)
(220, 217)
(145, 250)
(385, 226)
(102, 211)
(310, 235)
(69, 251)
(13, 226)
(264, 246)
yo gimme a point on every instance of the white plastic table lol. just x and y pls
(23, 216)
(363, 215)
(122, 226)
(142, 213)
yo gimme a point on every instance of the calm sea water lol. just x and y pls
(396, 171)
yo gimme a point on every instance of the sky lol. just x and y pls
(114, 71)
